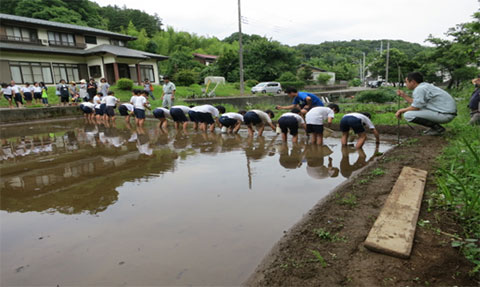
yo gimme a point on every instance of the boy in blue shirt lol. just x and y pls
(301, 100)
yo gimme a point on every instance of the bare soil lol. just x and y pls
(349, 213)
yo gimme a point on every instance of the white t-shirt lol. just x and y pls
(365, 120)
(133, 99)
(37, 89)
(263, 116)
(15, 89)
(140, 102)
(129, 107)
(184, 109)
(27, 89)
(7, 91)
(207, 109)
(166, 112)
(111, 101)
(96, 101)
(103, 100)
(296, 116)
(235, 116)
(317, 115)
(88, 104)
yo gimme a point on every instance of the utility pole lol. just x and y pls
(240, 49)
(388, 59)
(363, 70)
(381, 47)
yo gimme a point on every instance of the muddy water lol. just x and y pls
(89, 205)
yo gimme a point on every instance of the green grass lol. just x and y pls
(458, 180)
(326, 235)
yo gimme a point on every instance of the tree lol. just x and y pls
(287, 77)
(397, 60)
(454, 56)
(305, 74)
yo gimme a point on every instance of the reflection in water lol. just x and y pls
(161, 200)
(65, 171)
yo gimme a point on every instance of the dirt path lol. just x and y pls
(338, 227)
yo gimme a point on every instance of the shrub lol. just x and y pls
(125, 84)
(251, 83)
(355, 82)
(287, 77)
(186, 78)
(323, 78)
(296, 84)
(381, 95)
(236, 85)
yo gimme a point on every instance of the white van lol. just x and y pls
(267, 87)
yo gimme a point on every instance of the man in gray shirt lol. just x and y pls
(168, 94)
(430, 106)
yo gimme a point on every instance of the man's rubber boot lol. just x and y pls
(435, 129)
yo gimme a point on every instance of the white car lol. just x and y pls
(267, 87)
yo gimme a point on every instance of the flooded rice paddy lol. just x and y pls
(88, 205)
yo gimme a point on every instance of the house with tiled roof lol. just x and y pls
(34, 50)
(205, 59)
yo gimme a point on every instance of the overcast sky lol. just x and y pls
(309, 21)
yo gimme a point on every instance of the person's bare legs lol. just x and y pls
(295, 139)
(212, 128)
(185, 126)
(260, 129)
(362, 137)
(344, 138)
(250, 130)
(319, 139)
(284, 137)
(175, 124)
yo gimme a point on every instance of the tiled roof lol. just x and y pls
(110, 49)
(212, 57)
(63, 26)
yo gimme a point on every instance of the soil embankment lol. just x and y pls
(337, 227)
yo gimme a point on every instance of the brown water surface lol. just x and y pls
(88, 205)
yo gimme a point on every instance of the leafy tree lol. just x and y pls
(186, 77)
(287, 77)
(323, 78)
(305, 74)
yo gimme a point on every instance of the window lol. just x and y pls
(61, 39)
(25, 72)
(146, 72)
(95, 71)
(90, 39)
(116, 42)
(21, 34)
(67, 72)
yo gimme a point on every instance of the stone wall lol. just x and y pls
(8, 116)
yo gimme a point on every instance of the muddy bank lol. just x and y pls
(337, 227)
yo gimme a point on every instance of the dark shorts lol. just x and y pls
(45, 101)
(103, 108)
(37, 96)
(251, 118)
(28, 96)
(98, 112)
(64, 99)
(110, 111)
(178, 115)
(351, 122)
(205, 118)
(18, 98)
(227, 122)
(123, 110)
(7, 97)
(288, 123)
(316, 129)
(193, 116)
(159, 114)
(86, 109)
(139, 113)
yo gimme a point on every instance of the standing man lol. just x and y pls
(301, 100)
(474, 103)
(430, 106)
(147, 86)
(92, 88)
(168, 94)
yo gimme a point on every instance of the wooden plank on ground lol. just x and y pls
(394, 229)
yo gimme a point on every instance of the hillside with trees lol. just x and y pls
(265, 59)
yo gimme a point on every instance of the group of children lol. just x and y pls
(207, 117)
(16, 94)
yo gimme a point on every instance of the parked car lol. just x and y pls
(375, 84)
(267, 87)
